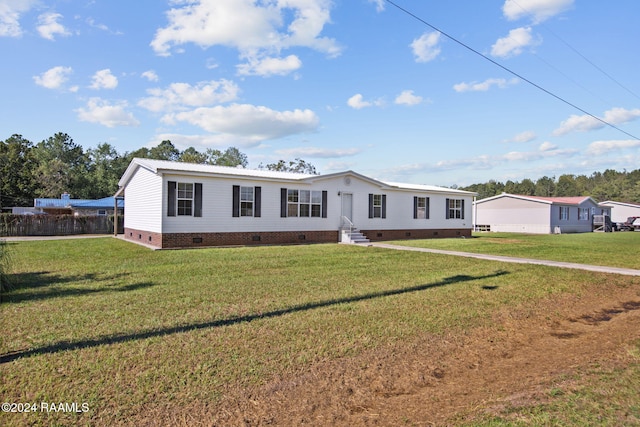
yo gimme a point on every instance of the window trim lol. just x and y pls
(172, 198)
(286, 204)
(382, 205)
(237, 201)
(455, 209)
(416, 207)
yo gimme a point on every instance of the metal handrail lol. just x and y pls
(347, 221)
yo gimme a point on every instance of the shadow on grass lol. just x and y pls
(121, 338)
(41, 285)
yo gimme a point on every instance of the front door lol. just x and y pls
(347, 207)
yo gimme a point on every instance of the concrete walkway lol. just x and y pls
(587, 267)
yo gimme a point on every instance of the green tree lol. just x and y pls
(230, 157)
(17, 166)
(105, 169)
(191, 155)
(62, 166)
(566, 186)
(297, 166)
(545, 187)
(165, 151)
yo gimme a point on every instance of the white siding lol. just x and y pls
(217, 207)
(144, 202)
(621, 211)
(512, 215)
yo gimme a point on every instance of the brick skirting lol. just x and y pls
(194, 240)
(382, 235)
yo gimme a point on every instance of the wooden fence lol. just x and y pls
(57, 225)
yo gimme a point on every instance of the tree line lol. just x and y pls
(57, 165)
(608, 185)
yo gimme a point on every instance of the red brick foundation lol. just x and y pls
(194, 240)
(381, 235)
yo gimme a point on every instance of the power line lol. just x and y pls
(537, 86)
(613, 79)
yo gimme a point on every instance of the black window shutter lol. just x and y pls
(370, 205)
(427, 209)
(462, 209)
(257, 207)
(283, 203)
(446, 208)
(236, 201)
(171, 199)
(384, 206)
(324, 204)
(415, 207)
(197, 211)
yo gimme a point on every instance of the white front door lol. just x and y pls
(347, 206)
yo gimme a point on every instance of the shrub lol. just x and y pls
(4, 264)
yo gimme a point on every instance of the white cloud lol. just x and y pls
(10, 11)
(254, 123)
(269, 66)
(539, 10)
(379, 4)
(547, 146)
(184, 95)
(525, 136)
(53, 78)
(103, 79)
(598, 148)
(425, 48)
(150, 75)
(357, 101)
(256, 29)
(315, 152)
(586, 123)
(48, 26)
(407, 97)
(514, 43)
(485, 85)
(100, 111)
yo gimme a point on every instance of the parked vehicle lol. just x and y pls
(631, 224)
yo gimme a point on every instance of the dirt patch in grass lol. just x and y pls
(452, 379)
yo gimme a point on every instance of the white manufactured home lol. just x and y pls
(538, 215)
(174, 204)
(621, 211)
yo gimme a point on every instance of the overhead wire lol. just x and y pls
(593, 64)
(537, 86)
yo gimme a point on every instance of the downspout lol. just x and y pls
(115, 211)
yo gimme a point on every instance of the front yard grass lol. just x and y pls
(618, 249)
(123, 328)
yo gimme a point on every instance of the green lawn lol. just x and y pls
(610, 249)
(121, 327)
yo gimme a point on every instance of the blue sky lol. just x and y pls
(342, 84)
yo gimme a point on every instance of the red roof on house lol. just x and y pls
(561, 200)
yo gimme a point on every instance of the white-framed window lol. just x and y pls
(246, 201)
(583, 214)
(304, 203)
(455, 209)
(102, 212)
(564, 213)
(185, 199)
(421, 208)
(377, 205)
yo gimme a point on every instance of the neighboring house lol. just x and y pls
(172, 204)
(532, 214)
(621, 211)
(65, 205)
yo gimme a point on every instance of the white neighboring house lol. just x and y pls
(621, 211)
(174, 204)
(539, 215)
